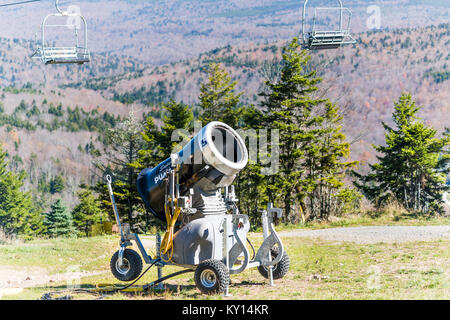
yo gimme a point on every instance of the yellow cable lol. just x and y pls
(167, 242)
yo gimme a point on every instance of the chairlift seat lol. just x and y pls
(320, 40)
(57, 55)
(76, 54)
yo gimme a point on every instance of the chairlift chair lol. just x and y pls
(75, 54)
(326, 39)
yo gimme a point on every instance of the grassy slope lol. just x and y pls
(319, 270)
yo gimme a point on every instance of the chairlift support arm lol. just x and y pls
(341, 9)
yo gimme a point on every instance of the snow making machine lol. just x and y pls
(192, 193)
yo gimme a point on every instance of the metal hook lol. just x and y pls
(64, 13)
(108, 179)
(57, 6)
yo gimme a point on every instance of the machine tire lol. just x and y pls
(212, 277)
(280, 269)
(132, 265)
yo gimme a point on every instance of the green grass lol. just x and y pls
(417, 270)
(57, 255)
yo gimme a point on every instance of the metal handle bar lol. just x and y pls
(116, 213)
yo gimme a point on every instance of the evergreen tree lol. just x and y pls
(288, 104)
(88, 212)
(177, 116)
(218, 100)
(251, 183)
(410, 164)
(122, 146)
(312, 146)
(42, 185)
(149, 155)
(325, 167)
(444, 157)
(56, 184)
(59, 221)
(18, 216)
(158, 142)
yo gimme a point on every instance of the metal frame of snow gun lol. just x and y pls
(231, 228)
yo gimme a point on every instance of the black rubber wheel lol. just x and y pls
(131, 267)
(212, 277)
(280, 269)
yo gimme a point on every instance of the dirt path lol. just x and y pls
(375, 234)
(14, 279)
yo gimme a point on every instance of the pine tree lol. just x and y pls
(218, 100)
(149, 154)
(250, 183)
(59, 221)
(56, 184)
(18, 216)
(288, 104)
(159, 143)
(312, 147)
(122, 146)
(177, 116)
(88, 211)
(409, 169)
(325, 165)
(444, 157)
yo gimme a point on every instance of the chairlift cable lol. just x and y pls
(17, 3)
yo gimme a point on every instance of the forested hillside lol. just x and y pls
(48, 131)
(363, 78)
(17, 68)
(164, 31)
(53, 119)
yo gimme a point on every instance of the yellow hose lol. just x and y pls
(167, 241)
